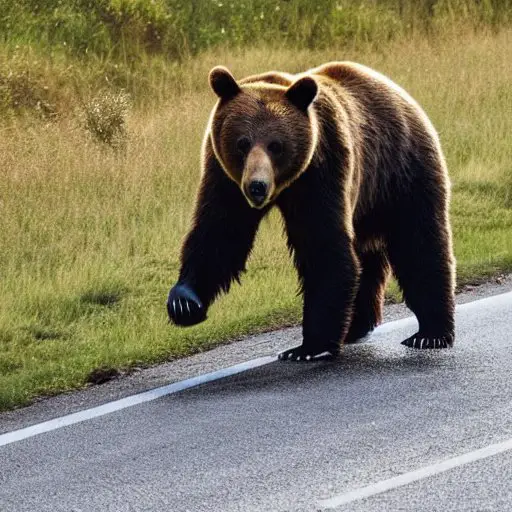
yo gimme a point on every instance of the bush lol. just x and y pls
(20, 91)
(104, 117)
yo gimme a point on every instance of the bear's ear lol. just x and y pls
(223, 83)
(302, 92)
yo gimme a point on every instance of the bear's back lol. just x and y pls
(380, 100)
(388, 128)
(365, 83)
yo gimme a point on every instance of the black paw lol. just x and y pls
(420, 341)
(307, 353)
(184, 306)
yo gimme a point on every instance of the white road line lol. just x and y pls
(414, 476)
(486, 303)
(130, 401)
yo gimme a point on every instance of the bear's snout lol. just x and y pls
(258, 177)
(257, 192)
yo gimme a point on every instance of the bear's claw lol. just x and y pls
(428, 342)
(305, 354)
(184, 306)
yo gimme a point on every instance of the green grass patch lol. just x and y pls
(126, 28)
(91, 234)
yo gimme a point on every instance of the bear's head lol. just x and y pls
(263, 134)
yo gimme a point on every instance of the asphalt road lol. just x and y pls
(298, 437)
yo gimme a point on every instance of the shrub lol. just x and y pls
(21, 91)
(104, 117)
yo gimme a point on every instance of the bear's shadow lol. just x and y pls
(356, 363)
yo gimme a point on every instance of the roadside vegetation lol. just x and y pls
(102, 111)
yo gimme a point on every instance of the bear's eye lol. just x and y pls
(275, 147)
(243, 144)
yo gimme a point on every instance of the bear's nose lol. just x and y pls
(257, 191)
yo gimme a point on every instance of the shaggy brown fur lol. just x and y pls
(356, 169)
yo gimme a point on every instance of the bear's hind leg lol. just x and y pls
(420, 253)
(370, 295)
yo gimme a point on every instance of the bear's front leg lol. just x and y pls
(216, 248)
(328, 272)
(329, 289)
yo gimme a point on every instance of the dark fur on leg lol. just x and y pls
(421, 256)
(370, 295)
(325, 260)
(216, 249)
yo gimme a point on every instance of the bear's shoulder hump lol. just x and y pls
(271, 77)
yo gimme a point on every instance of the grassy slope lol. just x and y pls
(90, 238)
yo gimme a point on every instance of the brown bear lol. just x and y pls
(356, 169)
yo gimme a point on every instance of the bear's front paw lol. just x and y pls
(184, 306)
(307, 354)
(420, 341)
